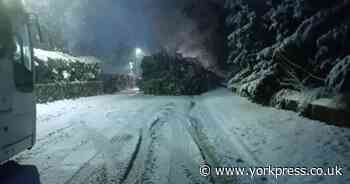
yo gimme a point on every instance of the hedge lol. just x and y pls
(53, 71)
(71, 77)
(67, 90)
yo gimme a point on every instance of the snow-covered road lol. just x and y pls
(127, 138)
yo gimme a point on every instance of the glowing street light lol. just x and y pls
(139, 52)
(131, 65)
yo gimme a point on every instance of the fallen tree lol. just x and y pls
(165, 74)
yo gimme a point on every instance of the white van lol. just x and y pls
(17, 99)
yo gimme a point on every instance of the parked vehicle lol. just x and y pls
(17, 99)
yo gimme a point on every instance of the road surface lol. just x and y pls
(132, 138)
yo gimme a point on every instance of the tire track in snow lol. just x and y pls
(145, 161)
(112, 153)
(133, 158)
(43, 155)
(168, 152)
(186, 156)
(246, 157)
(207, 150)
(113, 165)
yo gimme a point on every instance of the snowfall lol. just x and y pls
(134, 138)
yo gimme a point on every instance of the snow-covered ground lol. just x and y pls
(133, 138)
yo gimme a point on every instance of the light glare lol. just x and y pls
(138, 52)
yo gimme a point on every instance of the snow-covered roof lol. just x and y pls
(45, 55)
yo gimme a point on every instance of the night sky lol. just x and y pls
(96, 27)
(102, 25)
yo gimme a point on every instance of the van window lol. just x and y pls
(6, 43)
(23, 69)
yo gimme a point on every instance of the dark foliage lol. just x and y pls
(164, 74)
(299, 43)
(114, 83)
(338, 80)
(62, 71)
(67, 90)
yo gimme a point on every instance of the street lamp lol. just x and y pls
(131, 68)
(139, 53)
